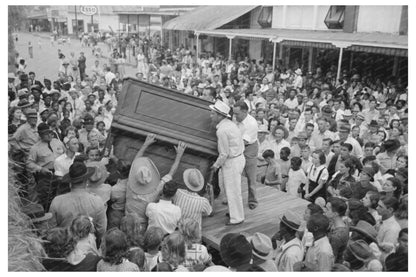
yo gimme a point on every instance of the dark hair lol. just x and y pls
(90, 148)
(81, 227)
(114, 246)
(268, 154)
(173, 249)
(328, 139)
(370, 144)
(319, 221)
(296, 162)
(347, 145)
(369, 159)
(80, 158)
(406, 157)
(315, 209)
(130, 225)
(374, 198)
(349, 163)
(321, 155)
(169, 189)
(285, 150)
(242, 105)
(59, 243)
(153, 238)
(136, 255)
(390, 202)
(396, 184)
(338, 205)
(162, 267)
(403, 231)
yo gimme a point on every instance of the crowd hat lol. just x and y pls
(347, 113)
(373, 123)
(261, 245)
(216, 268)
(145, 177)
(382, 106)
(235, 250)
(31, 113)
(365, 229)
(302, 135)
(391, 145)
(42, 110)
(201, 85)
(360, 115)
(291, 220)
(298, 71)
(36, 88)
(327, 110)
(344, 128)
(22, 92)
(78, 172)
(100, 174)
(193, 179)
(43, 128)
(263, 129)
(11, 75)
(24, 103)
(360, 250)
(221, 108)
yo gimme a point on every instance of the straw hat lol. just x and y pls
(263, 129)
(366, 229)
(262, 246)
(24, 103)
(100, 174)
(347, 113)
(31, 113)
(144, 176)
(291, 220)
(360, 250)
(298, 71)
(221, 108)
(193, 179)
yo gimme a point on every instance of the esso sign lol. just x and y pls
(88, 10)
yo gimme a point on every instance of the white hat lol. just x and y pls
(193, 179)
(221, 108)
(201, 85)
(11, 75)
(298, 71)
(347, 113)
(262, 246)
(263, 129)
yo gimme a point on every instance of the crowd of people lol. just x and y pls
(340, 144)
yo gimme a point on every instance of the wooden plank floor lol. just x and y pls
(264, 219)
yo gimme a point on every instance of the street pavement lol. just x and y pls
(45, 62)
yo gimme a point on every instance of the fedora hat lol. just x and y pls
(381, 106)
(42, 110)
(360, 250)
(144, 176)
(221, 108)
(360, 115)
(22, 92)
(291, 220)
(78, 172)
(11, 75)
(193, 179)
(261, 245)
(298, 71)
(373, 123)
(31, 113)
(263, 129)
(100, 174)
(35, 87)
(24, 103)
(365, 229)
(235, 250)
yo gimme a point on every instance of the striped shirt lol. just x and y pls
(192, 205)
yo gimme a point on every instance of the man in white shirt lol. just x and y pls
(279, 141)
(109, 76)
(164, 214)
(250, 101)
(230, 159)
(298, 82)
(344, 136)
(292, 101)
(64, 161)
(249, 128)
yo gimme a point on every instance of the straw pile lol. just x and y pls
(25, 248)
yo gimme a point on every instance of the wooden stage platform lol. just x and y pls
(264, 219)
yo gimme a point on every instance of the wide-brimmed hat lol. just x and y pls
(373, 123)
(360, 250)
(360, 115)
(235, 250)
(261, 245)
(366, 229)
(78, 172)
(263, 129)
(291, 220)
(298, 71)
(11, 75)
(193, 179)
(391, 145)
(381, 106)
(42, 110)
(35, 87)
(221, 108)
(201, 85)
(100, 174)
(144, 176)
(302, 135)
(24, 103)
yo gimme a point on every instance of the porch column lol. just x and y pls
(395, 65)
(230, 50)
(310, 58)
(197, 45)
(341, 49)
(274, 56)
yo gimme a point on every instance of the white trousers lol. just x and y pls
(231, 178)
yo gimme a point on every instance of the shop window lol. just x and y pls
(335, 17)
(265, 17)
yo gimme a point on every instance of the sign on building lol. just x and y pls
(88, 10)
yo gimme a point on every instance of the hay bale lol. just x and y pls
(25, 247)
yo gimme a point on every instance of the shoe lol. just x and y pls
(238, 223)
(252, 206)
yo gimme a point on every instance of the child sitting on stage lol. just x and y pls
(273, 176)
(296, 177)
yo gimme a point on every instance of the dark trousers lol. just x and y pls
(250, 170)
(46, 187)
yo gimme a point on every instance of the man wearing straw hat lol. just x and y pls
(231, 159)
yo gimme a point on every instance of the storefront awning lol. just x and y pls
(206, 18)
(380, 43)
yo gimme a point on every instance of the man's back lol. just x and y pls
(66, 207)
(192, 205)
